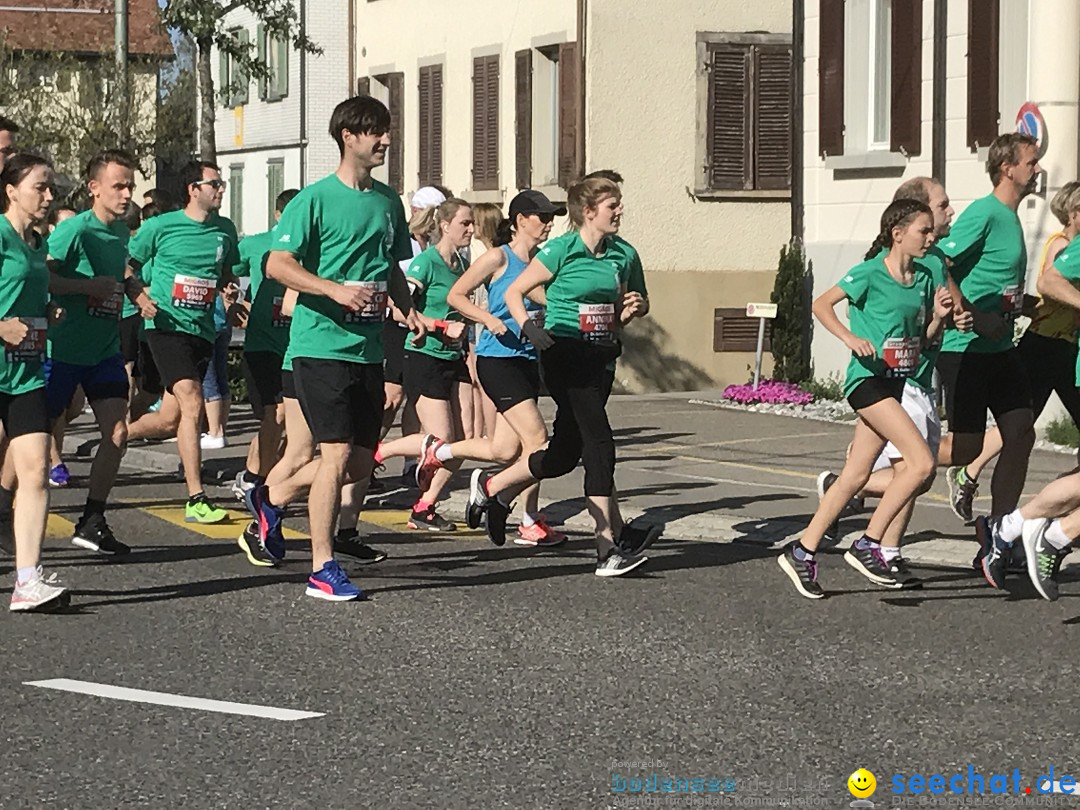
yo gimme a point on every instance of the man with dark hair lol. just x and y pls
(8, 130)
(338, 244)
(88, 264)
(160, 198)
(192, 250)
(605, 174)
(980, 369)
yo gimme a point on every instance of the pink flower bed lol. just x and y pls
(773, 392)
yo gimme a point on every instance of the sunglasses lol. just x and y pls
(214, 184)
(545, 218)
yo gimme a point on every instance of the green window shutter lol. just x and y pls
(283, 68)
(242, 75)
(260, 36)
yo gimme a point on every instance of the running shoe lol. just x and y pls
(802, 573)
(538, 534)
(871, 564)
(634, 540)
(332, 584)
(430, 520)
(241, 486)
(348, 544)
(617, 562)
(1043, 560)
(995, 551)
(253, 547)
(59, 476)
(92, 532)
(962, 491)
(902, 576)
(39, 592)
(428, 463)
(200, 510)
(478, 499)
(209, 442)
(268, 518)
(495, 521)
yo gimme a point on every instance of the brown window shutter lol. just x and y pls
(424, 141)
(734, 332)
(982, 79)
(906, 103)
(569, 160)
(730, 118)
(492, 142)
(773, 122)
(485, 122)
(395, 83)
(363, 86)
(523, 82)
(831, 78)
(436, 124)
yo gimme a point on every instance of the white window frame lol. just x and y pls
(545, 117)
(861, 74)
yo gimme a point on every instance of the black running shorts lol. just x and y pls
(22, 414)
(427, 376)
(509, 381)
(341, 401)
(288, 387)
(179, 356)
(129, 339)
(975, 382)
(873, 390)
(262, 372)
(393, 337)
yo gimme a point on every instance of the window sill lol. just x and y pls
(494, 195)
(554, 192)
(867, 160)
(733, 194)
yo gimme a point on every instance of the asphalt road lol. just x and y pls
(477, 677)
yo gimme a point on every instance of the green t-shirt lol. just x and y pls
(635, 281)
(584, 292)
(436, 278)
(891, 316)
(267, 329)
(24, 294)
(84, 247)
(189, 259)
(989, 260)
(350, 236)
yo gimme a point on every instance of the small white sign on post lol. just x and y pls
(763, 312)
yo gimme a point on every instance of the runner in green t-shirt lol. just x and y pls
(26, 183)
(895, 310)
(338, 244)
(88, 260)
(587, 305)
(266, 337)
(193, 251)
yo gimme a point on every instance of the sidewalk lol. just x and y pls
(705, 471)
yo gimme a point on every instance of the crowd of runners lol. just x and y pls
(454, 318)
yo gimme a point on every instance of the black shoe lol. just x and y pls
(635, 539)
(870, 563)
(902, 576)
(93, 533)
(253, 547)
(348, 544)
(495, 521)
(617, 562)
(478, 499)
(802, 573)
(7, 533)
(995, 551)
(430, 520)
(962, 492)
(1043, 560)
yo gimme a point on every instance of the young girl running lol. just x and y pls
(27, 183)
(895, 310)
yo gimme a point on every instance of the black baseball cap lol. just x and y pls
(531, 201)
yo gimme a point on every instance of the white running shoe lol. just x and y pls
(39, 592)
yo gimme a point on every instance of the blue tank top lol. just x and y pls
(510, 344)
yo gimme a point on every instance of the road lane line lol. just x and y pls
(176, 701)
(226, 530)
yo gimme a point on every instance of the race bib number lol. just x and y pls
(109, 308)
(277, 319)
(374, 311)
(1012, 302)
(34, 344)
(901, 356)
(597, 322)
(190, 292)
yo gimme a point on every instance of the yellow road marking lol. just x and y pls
(397, 520)
(226, 530)
(57, 527)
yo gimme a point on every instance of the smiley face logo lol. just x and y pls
(862, 784)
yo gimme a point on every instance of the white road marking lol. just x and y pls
(177, 701)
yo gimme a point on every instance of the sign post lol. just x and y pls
(763, 312)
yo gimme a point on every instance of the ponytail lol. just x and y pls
(503, 233)
(899, 214)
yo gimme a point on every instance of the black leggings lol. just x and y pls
(577, 378)
(1051, 367)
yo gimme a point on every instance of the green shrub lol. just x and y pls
(831, 388)
(237, 383)
(1063, 431)
(790, 328)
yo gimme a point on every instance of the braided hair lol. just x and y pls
(899, 213)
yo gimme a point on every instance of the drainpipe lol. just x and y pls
(798, 51)
(582, 24)
(938, 121)
(303, 96)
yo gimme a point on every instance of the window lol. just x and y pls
(236, 195)
(547, 106)
(275, 184)
(485, 151)
(233, 79)
(545, 116)
(983, 69)
(394, 98)
(431, 124)
(274, 55)
(880, 73)
(747, 112)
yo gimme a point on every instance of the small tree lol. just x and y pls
(791, 328)
(203, 21)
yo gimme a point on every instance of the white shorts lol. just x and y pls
(922, 409)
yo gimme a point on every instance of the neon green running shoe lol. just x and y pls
(200, 510)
